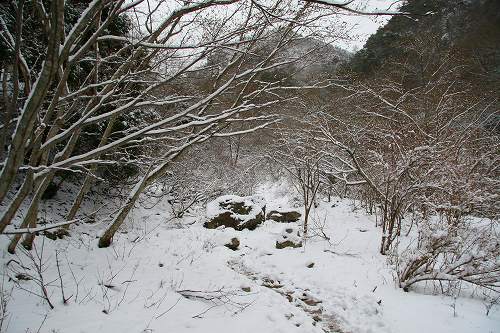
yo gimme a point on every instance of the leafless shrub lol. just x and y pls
(318, 227)
(113, 292)
(217, 298)
(468, 255)
(5, 296)
(490, 300)
(209, 245)
(33, 273)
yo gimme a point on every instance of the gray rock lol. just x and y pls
(235, 212)
(287, 243)
(234, 244)
(284, 216)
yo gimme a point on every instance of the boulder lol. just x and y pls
(290, 237)
(284, 216)
(235, 212)
(59, 233)
(233, 244)
(287, 243)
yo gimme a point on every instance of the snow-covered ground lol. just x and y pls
(166, 276)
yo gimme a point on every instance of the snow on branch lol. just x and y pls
(28, 230)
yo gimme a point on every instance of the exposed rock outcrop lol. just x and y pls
(235, 212)
(283, 216)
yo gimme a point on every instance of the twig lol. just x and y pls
(65, 300)
(43, 322)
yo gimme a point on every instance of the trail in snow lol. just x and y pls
(161, 277)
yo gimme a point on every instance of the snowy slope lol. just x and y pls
(179, 277)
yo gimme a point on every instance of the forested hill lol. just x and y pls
(468, 30)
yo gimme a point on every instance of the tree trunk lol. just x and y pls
(21, 194)
(88, 181)
(149, 177)
(25, 188)
(32, 215)
(107, 237)
(35, 101)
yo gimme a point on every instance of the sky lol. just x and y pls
(364, 26)
(360, 27)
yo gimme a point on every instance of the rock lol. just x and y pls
(290, 237)
(23, 277)
(310, 265)
(287, 243)
(49, 235)
(270, 283)
(284, 216)
(234, 244)
(236, 212)
(310, 301)
(61, 233)
(225, 219)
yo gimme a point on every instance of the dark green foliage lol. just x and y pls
(34, 38)
(470, 26)
(386, 42)
(50, 192)
(122, 170)
(33, 49)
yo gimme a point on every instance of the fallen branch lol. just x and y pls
(38, 229)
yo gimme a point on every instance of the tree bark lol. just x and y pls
(34, 102)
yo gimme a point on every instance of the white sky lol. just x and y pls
(364, 26)
(360, 27)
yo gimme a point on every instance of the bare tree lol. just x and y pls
(304, 167)
(424, 149)
(136, 72)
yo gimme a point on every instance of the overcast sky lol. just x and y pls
(360, 27)
(364, 26)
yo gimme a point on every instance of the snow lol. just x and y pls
(154, 277)
(335, 2)
(11, 231)
(290, 233)
(255, 203)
